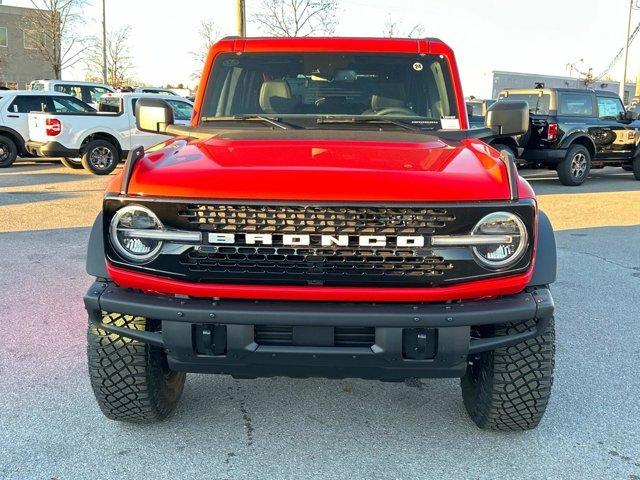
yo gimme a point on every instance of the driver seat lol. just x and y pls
(276, 97)
(387, 95)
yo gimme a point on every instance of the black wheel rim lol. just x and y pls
(101, 158)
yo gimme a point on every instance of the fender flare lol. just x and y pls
(574, 136)
(545, 268)
(96, 265)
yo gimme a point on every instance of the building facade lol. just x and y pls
(20, 61)
(502, 80)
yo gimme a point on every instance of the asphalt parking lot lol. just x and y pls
(282, 428)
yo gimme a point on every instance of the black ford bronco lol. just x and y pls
(574, 130)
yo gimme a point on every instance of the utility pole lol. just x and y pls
(623, 81)
(241, 26)
(104, 42)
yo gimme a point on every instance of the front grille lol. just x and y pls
(345, 263)
(317, 220)
(282, 335)
(316, 264)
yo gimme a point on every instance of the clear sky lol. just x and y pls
(517, 35)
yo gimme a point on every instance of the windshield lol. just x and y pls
(538, 102)
(413, 88)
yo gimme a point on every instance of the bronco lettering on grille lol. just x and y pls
(324, 240)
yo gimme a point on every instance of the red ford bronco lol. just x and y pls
(328, 213)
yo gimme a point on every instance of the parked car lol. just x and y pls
(327, 213)
(15, 106)
(88, 92)
(100, 139)
(160, 91)
(574, 130)
(477, 111)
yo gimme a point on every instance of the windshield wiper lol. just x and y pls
(248, 118)
(373, 121)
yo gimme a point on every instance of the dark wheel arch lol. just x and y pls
(95, 265)
(545, 268)
(17, 139)
(580, 138)
(101, 136)
(507, 142)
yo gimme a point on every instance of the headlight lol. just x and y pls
(134, 233)
(513, 241)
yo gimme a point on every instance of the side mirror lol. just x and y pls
(508, 117)
(153, 115)
(630, 116)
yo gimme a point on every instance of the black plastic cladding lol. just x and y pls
(314, 264)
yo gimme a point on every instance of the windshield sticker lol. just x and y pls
(450, 123)
(417, 66)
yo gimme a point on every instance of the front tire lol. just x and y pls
(100, 157)
(574, 169)
(72, 163)
(131, 380)
(8, 152)
(509, 388)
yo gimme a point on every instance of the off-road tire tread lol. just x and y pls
(126, 375)
(512, 389)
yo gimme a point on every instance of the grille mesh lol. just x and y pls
(317, 220)
(282, 335)
(342, 262)
(315, 264)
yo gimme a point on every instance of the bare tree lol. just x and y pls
(119, 60)
(208, 34)
(394, 28)
(52, 28)
(296, 18)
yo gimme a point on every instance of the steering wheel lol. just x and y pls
(400, 111)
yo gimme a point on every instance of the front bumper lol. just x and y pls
(230, 345)
(50, 149)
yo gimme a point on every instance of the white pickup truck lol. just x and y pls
(99, 139)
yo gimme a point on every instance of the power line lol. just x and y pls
(618, 55)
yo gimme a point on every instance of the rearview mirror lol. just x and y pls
(153, 115)
(508, 117)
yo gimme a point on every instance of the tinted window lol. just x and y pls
(538, 102)
(610, 108)
(70, 104)
(3, 36)
(109, 104)
(39, 87)
(73, 90)
(576, 104)
(398, 85)
(28, 103)
(93, 94)
(181, 110)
